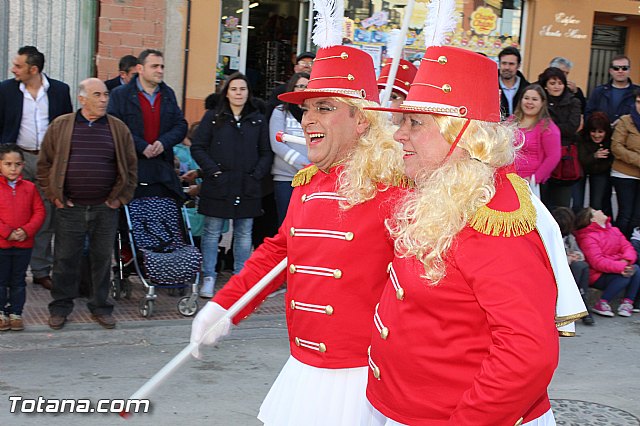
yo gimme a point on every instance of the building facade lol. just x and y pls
(204, 40)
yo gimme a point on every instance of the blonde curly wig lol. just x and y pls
(446, 199)
(376, 162)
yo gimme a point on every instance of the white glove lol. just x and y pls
(204, 330)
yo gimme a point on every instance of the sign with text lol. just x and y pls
(564, 26)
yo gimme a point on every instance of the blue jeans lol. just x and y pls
(282, 191)
(73, 226)
(627, 192)
(211, 239)
(614, 284)
(13, 268)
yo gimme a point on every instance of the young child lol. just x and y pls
(611, 259)
(21, 215)
(579, 268)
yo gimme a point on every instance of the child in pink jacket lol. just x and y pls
(611, 259)
(21, 215)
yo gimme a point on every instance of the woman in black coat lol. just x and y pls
(565, 111)
(594, 149)
(232, 148)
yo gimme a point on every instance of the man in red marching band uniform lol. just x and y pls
(336, 244)
(466, 329)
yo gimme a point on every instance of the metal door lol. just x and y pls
(607, 42)
(64, 30)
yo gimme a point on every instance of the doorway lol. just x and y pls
(607, 41)
(271, 41)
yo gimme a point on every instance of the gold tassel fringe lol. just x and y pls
(304, 176)
(516, 223)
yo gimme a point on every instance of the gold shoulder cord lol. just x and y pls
(304, 176)
(516, 223)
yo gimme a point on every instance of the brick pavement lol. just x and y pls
(38, 298)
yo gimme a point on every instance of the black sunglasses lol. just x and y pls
(620, 67)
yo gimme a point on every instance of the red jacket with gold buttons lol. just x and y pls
(337, 268)
(481, 346)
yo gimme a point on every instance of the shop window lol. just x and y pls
(484, 26)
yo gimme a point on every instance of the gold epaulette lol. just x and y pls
(304, 176)
(514, 223)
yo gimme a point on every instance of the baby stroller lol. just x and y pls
(162, 253)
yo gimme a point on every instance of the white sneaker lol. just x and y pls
(625, 309)
(206, 290)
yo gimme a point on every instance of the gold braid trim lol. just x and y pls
(568, 319)
(304, 176)
(566, 333)
(516, 223)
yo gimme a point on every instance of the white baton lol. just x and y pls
(284, 138)
(170, 368)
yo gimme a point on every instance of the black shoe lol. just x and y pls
(588, 320)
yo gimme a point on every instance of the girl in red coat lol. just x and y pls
(21, 215)
(611, 261)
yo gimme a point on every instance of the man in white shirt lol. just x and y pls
(28, 103)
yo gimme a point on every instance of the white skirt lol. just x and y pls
(376, 418)
(310, 396)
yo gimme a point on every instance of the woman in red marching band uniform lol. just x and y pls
(466, 329)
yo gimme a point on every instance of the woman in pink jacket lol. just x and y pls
(540, 152)
(611, 261)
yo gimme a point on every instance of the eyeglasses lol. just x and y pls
(620, 67)
(300, 86)
(305, 64)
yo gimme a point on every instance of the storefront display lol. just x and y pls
(485, 26)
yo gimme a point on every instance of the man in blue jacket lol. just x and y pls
(150, 109)
(616, 97)
(28, 103)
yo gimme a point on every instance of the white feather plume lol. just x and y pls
(393, 40)
(329, 22)
(441, 20)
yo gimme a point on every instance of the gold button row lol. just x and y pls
(348, 236)
(337, 273)
(327, 309)
(376, 372)
(321, 346)
(384, 333)
(399, 291)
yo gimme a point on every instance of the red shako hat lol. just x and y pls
(404, 76)
(455, 82)
(339, 71)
